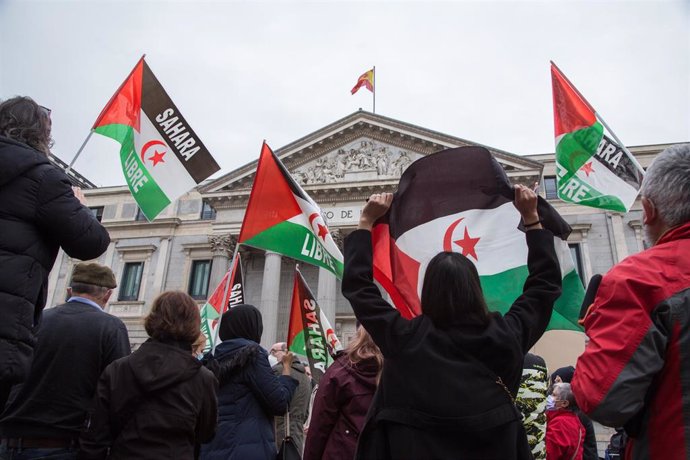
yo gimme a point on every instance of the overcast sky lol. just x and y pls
(241, 72)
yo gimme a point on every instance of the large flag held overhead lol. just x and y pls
(281, 217)
(309, 332)
(231, 288)
(461, 200)
(162, 158)
(593, 170)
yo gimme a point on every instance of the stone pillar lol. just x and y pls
(326, 292)
(270, 294)
(619, 245)
(161, 265)
(222, 248)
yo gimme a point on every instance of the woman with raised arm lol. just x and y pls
(451, 374)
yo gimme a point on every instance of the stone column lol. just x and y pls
(620, 247)
(162, 265)
(270, 294)
(222, 247)
(326, 292)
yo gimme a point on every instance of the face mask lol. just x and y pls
(272, 360)
(550, 403)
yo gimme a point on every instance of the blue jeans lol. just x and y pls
(60, 453)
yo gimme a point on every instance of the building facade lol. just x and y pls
(190, 245)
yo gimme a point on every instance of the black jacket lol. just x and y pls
(435, 399)
(38, 214)
(76, 341)
(157, 403)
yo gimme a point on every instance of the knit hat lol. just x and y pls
(565, 373)
(95, 274)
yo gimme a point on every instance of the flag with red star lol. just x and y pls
(309, 332)
(282, 218)
(593, 170)
(460, 200)
(161, 157)
(228, 293)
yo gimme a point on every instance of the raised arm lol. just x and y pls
(273, 393)
(530, 313)
(384, 323)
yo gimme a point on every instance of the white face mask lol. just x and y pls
(550, 402)
(272, 360)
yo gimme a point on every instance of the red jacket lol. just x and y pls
(565, 435)
(635, 371)
(340, 408)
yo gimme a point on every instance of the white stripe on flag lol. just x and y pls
(607, 183)
(170, 174)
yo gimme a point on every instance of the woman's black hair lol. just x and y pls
(452, 293)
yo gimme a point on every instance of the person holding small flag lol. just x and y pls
(450, 375)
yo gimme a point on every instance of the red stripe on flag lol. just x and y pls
(295, 325)
(271, 200)
(570, 111)
(396, 272)
(124, 108)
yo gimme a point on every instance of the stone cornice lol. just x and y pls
(168, 223)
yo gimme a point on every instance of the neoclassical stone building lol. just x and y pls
(190, 245)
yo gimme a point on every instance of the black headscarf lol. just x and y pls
(241, 322)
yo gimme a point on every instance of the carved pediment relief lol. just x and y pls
(361, 160)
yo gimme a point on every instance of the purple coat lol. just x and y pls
(340, 409)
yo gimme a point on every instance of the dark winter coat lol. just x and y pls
(340, 409)
(299, 405)
(249, 396)
(438, 396)
(38, 214)
(157, 403)
(56, 396)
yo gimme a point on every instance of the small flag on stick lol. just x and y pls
(231, 288)
(162, 158)
(592, 168)
(309, 332)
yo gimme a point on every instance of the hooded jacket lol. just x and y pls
(340, 409)
(157, 403)
(248, 398)
(38, 214)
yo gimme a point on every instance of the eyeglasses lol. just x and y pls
(45, 110)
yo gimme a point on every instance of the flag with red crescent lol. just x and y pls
(161, 157)
(282, 218)
(231, 288)
(461, 200)
(310, 333)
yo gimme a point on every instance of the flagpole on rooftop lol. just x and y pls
(599, 118)
(373, 72)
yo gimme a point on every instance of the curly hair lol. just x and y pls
(22, 120)
(174, 316)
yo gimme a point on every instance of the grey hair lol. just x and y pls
(667, 184)
(565, 393)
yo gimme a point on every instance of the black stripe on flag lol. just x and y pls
(616, 160)
(174, 129)
(453, 181)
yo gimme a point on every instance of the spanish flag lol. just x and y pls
(366, 80)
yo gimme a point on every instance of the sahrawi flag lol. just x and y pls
(281, 217)
(231, 288)
(162, 158)
(461, 200)
(593, 170)
(309, 333)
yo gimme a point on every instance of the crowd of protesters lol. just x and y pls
(455, 382)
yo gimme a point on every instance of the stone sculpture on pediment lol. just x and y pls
(360, 160)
